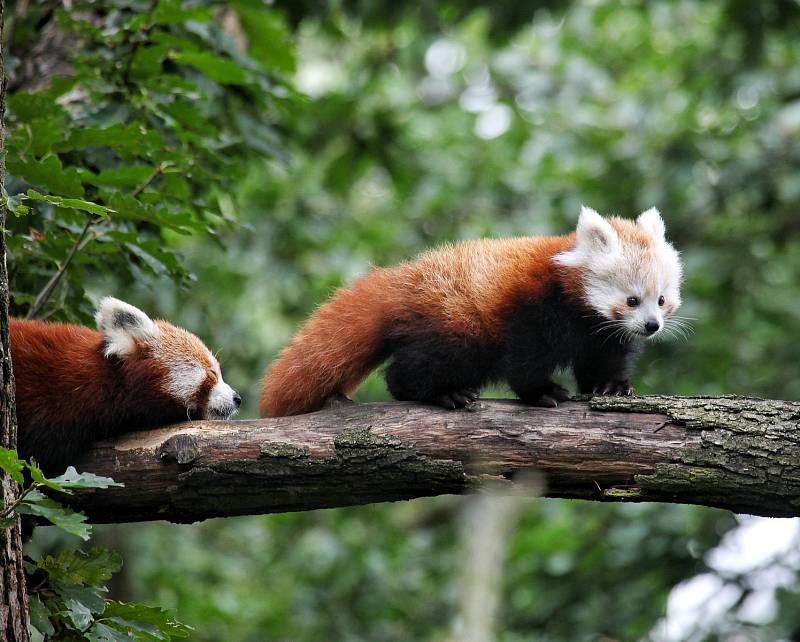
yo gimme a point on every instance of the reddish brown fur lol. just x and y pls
(69, 394)
(464, 290)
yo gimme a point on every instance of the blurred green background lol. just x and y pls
(303, 143)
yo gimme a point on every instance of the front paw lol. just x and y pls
(457, 399)
(615, 388)
(546, 396)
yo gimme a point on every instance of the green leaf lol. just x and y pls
(12, 464)
(36, 137)
(222, 70)
(270, 42)
(130, 176)
(73, 479)
(82, 567)
(147, 61)
(156, 622)
(15, 206)
(48, 174)
(175, 12)
(101, 632)
(125, 139)
(28, 106)
(92, 597)
(71, 203)
(40, 616)
(38, 476)
(80, 614)
(36, 503)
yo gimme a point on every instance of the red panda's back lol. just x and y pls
(51, 363)
(468, 287)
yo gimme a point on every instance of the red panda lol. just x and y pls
(467, 314)
(75, 385)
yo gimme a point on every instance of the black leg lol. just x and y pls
(546, 395)
(436, 370)
(606, 369)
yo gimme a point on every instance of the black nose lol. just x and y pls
(237, 399)
(651, 326)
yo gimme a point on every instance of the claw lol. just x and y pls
(545, 401)
(458, 399)
(615, 388)
(547, 396)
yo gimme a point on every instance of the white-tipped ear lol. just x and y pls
(122, 326)
(594, 234)
(652, 223)
(596, 242)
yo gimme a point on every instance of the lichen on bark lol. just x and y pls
(746, 446)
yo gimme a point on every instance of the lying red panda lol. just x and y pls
(75, 385)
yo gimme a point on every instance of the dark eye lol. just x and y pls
(633, 301)
(661, 300)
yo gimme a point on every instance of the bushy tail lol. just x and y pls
(336, 349)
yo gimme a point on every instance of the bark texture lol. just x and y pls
(13, 593)
(734, 453)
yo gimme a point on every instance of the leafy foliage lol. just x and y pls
(71, 602)
(32, 501)
(67, 593)
(135, 144)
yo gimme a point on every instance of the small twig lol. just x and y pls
(661, 425)
(153, 176)
(80, 244)
(7, 510)
(47, 290)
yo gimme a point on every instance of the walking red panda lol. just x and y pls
(75, 385)
(467, 314)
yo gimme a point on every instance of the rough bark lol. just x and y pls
(13, 593)
(733, 453)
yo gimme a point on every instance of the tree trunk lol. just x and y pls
(734, 453)
(13, 593)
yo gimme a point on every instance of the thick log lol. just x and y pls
(735, 453)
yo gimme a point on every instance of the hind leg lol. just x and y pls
(435, 371)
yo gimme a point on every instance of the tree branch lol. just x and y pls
(734, 453)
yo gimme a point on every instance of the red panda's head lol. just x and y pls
(175, 361)
(627, 271)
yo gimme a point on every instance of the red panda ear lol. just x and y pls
(596, 242)
(652, 223)
(594, 234)
(123, 326)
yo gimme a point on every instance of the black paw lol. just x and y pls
(615, 388)
(547, 396)
(337, 400)
(458, 399)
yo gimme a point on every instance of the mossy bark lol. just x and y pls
(727, 452)
(745, 458)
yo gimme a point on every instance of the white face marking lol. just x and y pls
(222, 402)
(184, 379)
(614, 271)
